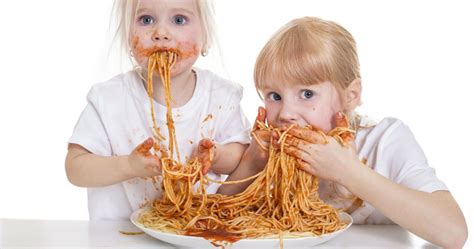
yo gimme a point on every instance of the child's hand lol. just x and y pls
(142, 162)
(320, 156)
(259, 145)
(206, 153)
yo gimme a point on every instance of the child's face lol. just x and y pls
(167, 25)
(302, 104)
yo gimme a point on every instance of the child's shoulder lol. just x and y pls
(115, 86)
(118, 81)
(387, 129)
(366, 122)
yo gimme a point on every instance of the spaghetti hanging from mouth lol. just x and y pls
(282, 200)
(162, 62)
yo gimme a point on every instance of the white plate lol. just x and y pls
(199, 242)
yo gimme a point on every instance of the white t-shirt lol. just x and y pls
(392, 151)
(117, 118)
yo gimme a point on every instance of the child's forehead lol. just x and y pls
(282, 84)
(277, 77)
(190, 5)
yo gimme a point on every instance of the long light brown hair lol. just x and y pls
(308, 51)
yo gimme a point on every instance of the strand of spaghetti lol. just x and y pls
(164, 79)
(237, 181)
(259, 142)
(283, 135)
(151, 66)
(181, 175)
(166, 61)
(171, 62)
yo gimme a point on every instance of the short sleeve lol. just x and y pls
(90, 131)
(407, 162)
(236, 127)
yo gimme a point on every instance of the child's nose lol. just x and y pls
(161, 34)
(288, 114)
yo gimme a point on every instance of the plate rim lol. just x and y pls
(342, 215)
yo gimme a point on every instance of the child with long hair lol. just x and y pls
(111, 149)
(308, 75)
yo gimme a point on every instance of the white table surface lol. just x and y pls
(27, 234)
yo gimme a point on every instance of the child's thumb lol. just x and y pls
(261, 116)
(341, 120)
(205, 144)
(145, 146)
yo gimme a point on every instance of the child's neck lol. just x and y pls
(182, 88)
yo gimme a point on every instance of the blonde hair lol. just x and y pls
(124, 12)
(308, 51)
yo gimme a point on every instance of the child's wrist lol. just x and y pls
(253, 162)
(354, 175)
(125, 166)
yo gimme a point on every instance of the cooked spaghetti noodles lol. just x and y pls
(282, 198)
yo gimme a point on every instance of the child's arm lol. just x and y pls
(85, 169)
(435, 216)
(253, 160)
(224, 159)
(227, 157)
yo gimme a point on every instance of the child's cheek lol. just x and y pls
(187, 56)
(188, 50)
(139, 50)
(272, 115)
(318, 119)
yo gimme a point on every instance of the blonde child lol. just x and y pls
(110, 151)
(307, 74)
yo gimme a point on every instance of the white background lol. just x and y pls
(417, 62)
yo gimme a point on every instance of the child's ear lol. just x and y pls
(352, 95)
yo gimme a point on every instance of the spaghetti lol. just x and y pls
(281, 199)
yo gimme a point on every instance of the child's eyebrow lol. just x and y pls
(141, 10)
(187, 11)
(174, 10)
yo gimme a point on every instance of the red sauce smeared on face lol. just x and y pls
(183, 50)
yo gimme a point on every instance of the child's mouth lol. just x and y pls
(161, 59)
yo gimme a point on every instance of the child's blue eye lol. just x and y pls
(307, 94)
(146, 20)
(274, 96)
(179, 19)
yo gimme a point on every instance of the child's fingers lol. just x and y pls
(205, 154)
(295, 142)
(302, 165)
(145, 147)
(261, 116)
(342, 121)
(205, 144)
(308, 135)
(300, 159)
(293, 151)
(264, 136)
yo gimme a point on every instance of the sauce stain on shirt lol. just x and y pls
(208, 117)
